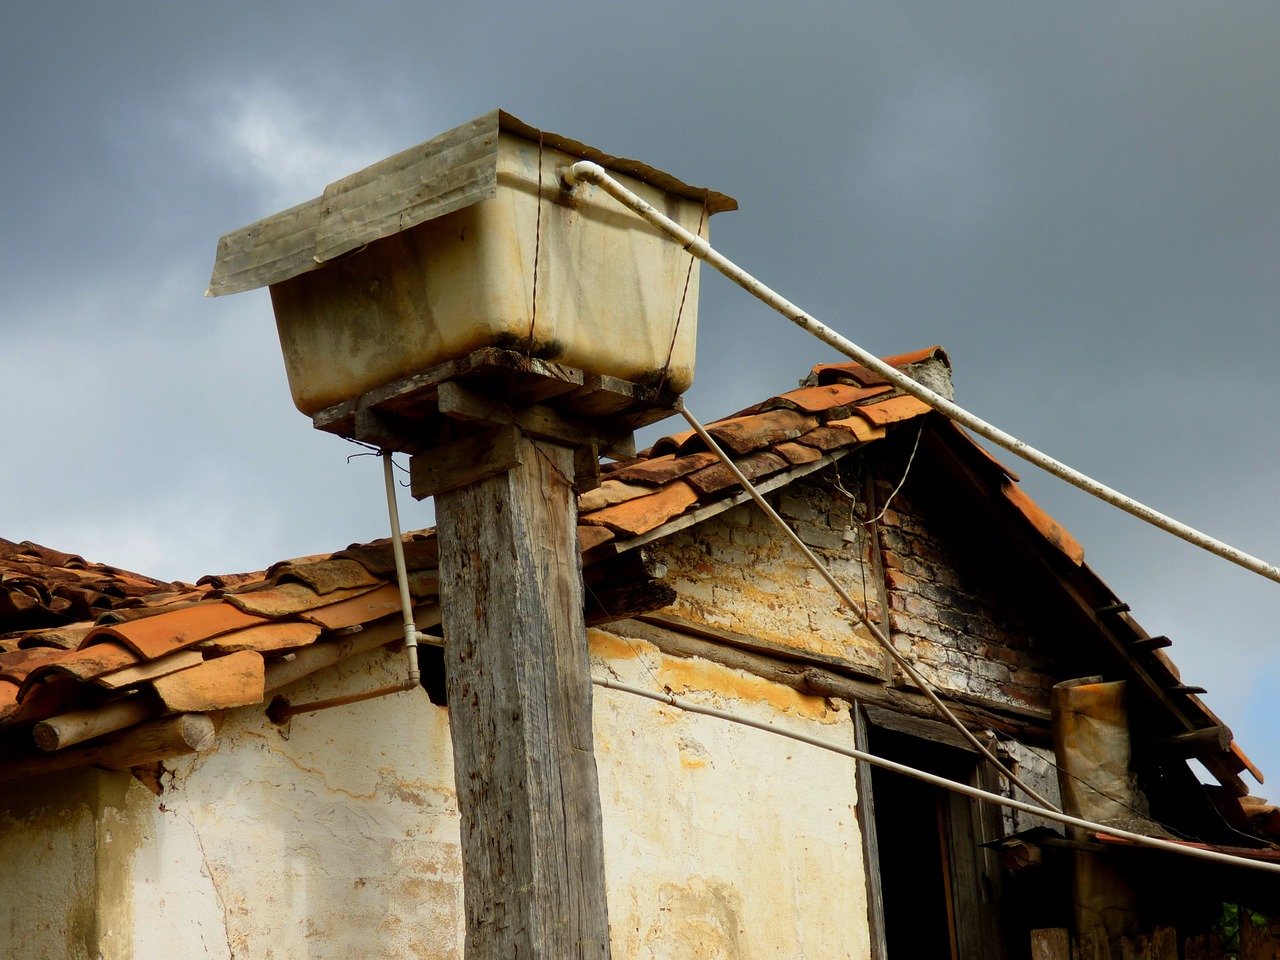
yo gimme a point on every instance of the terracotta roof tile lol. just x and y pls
(744, 434)
(829, 438)
(325, 576)
(717, 477)
(289, 599)
(15, 666)
(832, 401)
(590, 536)
(8, 699)
(892, 410)
(672, 444)
(153, 637)
(863, 430)
(797, 453)
(1048, 527)
(372, 605)
(664, 469)
(379, 559)
(646, 513)
(235, 680)
(267, 638)
(83, 664)
(137, 673)
(610, 492)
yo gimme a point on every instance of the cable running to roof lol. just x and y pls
(1047, 813)
(853, 606)
(585, 170)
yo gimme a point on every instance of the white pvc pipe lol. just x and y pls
(402, 573)
(962, 788)
(854, 608)
(585, 170)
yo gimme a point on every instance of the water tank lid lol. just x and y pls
(451, 171)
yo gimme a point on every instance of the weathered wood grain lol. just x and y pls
(519, 689)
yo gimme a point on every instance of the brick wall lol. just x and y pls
(959, 605)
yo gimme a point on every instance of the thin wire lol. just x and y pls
(700, 248)
(840, 488)
(537, 246)
(925, 687)
(911, 459)
(671, 348)
(1047, 811)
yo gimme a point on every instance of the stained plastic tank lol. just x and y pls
(434, 253)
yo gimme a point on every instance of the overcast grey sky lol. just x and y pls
(1081, 202)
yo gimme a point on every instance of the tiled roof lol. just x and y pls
(76, 636)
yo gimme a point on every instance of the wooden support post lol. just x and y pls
(519, 686)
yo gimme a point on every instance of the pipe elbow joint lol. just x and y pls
(582, 170)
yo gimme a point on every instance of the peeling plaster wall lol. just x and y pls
(337, 836)
(52, 836)
(723, 842)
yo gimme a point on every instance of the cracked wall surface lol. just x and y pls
(336, 836)
(723, 842)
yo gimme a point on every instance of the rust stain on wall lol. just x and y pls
(682, 675)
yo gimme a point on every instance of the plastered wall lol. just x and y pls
(337, 836)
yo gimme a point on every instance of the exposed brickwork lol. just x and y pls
(738, 573)
(959, 607)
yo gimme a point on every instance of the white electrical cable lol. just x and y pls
(854, 608)
(585, 170)
(962, 788)
(402, 575)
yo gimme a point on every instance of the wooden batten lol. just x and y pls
(144, 744)
(68, 729)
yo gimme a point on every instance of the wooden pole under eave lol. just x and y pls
(519, 686)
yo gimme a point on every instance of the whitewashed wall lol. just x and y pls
(337, 836)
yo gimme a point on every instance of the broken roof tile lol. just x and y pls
(829, 438)
(325, 576)
(267, 638)
(138, 673)
(379, 559)
(608, 493)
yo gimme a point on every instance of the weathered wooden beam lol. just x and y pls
(519, 687)
(483, 454)
(148, 743)
(464, 403)
(68, 729)
(1194, 743)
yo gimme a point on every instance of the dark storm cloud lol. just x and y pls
(1079, 202)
